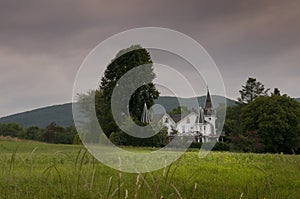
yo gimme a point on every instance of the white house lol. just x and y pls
(199, 123)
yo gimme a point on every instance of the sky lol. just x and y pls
(43, 43)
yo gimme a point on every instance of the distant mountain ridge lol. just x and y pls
(297, 99)
(62, 114)
(42, 117)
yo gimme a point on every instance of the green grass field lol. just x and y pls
(38, 170)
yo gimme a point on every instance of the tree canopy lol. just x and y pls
(276, 120)
(263, 123)
(251, 90)
(124, 61)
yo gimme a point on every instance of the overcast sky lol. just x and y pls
(43, 43)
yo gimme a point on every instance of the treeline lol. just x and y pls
(51, 134)
(263, 122)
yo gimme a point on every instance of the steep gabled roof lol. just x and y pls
(208, 108)
(208, 101)
(177, 117)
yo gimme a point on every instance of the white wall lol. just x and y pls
(187, 124)
(169, 123)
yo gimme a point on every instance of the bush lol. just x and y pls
(121, 138)
(196, 145)
(221, 146)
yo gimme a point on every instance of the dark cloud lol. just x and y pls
(44, 42)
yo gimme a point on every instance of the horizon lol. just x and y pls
(64, 103)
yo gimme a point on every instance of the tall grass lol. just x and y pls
(36, 170)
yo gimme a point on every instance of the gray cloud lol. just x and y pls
(44, 42)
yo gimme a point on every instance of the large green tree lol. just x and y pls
(232, 120)
(124, 61)
(276, 119)
(251, 90)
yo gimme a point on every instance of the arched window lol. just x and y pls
(167, 120)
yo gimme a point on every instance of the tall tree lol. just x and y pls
(252, 90)
(124, 61)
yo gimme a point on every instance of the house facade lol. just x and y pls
(199, 124)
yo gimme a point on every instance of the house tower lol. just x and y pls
(209, 116)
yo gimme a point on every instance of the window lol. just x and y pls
(188, 121)
(167, 120)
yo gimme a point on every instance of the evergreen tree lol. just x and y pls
(252, 90)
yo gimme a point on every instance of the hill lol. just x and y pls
(42, 117)
(297, 99)
(62, 114)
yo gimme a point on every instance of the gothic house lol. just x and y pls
(199, 124)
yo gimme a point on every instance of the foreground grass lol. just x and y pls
(37, 170)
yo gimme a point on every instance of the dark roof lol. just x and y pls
(208, 101)
(178, 117)
(208, 108)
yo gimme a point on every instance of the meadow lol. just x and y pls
(38, 170)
